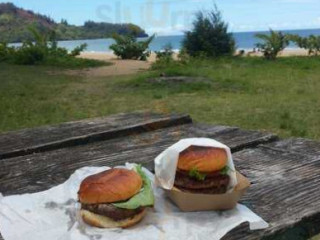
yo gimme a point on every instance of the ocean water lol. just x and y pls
(244, 40)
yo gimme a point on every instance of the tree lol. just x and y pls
(311, 43)
(127, 47)
(64, 22)
(209, 36)
(272, 44)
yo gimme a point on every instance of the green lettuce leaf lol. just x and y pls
(144, 198)
(194, 173)
(225, 170)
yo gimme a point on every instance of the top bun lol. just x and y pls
(203, 159)
(113, 185)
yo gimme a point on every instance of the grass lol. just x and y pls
(280, 97)
(71, 62)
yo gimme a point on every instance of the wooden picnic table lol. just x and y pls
(285, 173)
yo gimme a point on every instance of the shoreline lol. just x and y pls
(109, 56)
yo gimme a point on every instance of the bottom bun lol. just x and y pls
(106, 222)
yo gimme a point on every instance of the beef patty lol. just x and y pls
(109, 210)
(214, 183)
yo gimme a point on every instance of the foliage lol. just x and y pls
(29, 54)
(44, 50)
(311, 43)
(5, 52)
(128, 47)
(272, 44)
(209, 36)
(92, 29)
(183, 56)
(164, 56)
(76, 52)
(166, 53)
(14, 22)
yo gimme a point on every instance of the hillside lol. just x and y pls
(14, 24)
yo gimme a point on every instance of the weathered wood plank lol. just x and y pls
(285, 191)
(40, 171)
(82, 132)
(298, 145)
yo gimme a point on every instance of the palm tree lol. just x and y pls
(44, 40)
(272, 44)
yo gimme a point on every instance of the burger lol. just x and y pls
(116, 198)
(202, 170)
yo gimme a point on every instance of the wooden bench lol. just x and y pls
(285, 174)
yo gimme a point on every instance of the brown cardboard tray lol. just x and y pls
(190, 202)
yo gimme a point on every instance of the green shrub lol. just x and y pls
(127, 47)
(183, 56)
(311, 43)
(272, 44)
(29, 55)
(164, 57)
(209, 36)
(6, 52)
(76, 52)
(166, 53)
(44, 50)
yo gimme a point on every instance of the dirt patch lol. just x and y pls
(118, 67)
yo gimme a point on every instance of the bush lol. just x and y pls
(76, 52)
(272, 44)
(183, 56)
(127, 47)
(209, 36)
(311, 43)
(43, 50)
(6, 52)
(166, 53)
(165, 56)
(29, 55)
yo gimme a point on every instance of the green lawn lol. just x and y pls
(282, 97)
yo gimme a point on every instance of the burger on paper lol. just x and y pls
(116, 198)
(199, 174)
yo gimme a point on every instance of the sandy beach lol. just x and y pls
(286, 53)
(127, 67)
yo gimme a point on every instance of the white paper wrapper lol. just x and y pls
(167, 161)
(54, 215)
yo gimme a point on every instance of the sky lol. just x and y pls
(171, 17)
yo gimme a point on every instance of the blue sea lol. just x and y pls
(244, 40)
